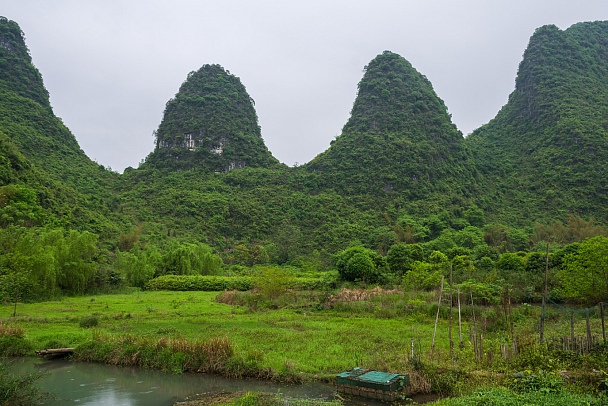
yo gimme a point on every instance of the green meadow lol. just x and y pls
(310, 335)
(310, 343)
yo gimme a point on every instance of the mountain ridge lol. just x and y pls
(548, 146)
(399, 171)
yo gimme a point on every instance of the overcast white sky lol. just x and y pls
(111, 65)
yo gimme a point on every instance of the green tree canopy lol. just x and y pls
(584, 274)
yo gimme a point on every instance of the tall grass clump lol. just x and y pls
(13, 342)
(176, 355)
(19, 390)
(7, 330)
(89, 321)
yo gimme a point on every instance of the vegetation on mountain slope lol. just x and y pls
(545, 153)
(210, 124)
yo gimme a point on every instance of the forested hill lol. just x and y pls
(210, 124)
(399, 172)
(46, 177)
(399, 140)
(546, 152)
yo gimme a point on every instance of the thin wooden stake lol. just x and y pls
(510, 314)
(475, 348)
(437, 317)
(588, 331)
(542, 315)
(412, 345)
(451, 306)
(459, 318)
(474, 329)
(603, 324)
(572, 327)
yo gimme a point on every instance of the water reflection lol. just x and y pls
(79, 383)
(100, 385)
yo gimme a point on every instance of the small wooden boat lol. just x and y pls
(373, 384)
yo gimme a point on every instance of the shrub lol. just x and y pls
(222, 283)
(360, 264)
(89, 321)
(7, 330)
(271, 282)
(12, 346)
(19, 390)
(200, 283)
(526, 381)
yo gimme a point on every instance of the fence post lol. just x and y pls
(603, 325)
(572, 327)
(451, 306)
(474, 329)
(588, 331)
(510, 314)
(459, 318)
(542, 314)
(412, 345)
(437, 317)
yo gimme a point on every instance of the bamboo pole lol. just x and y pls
(572, 327)
(412, 345)
(474, 329)
(588, 330)
(542, 315)
(603, 323)
(459, 318)
(510, 314)
(437, 317)
(451, 306)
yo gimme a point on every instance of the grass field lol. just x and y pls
(308, 342)
(302, 339)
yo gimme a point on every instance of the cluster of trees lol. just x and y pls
(39, 263)
(578, 271)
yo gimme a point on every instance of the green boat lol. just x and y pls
(373, 384)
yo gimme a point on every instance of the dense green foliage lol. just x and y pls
(360, 264)
(584, 276)
(221, 283)
(400, 199)
(397, 199)
(210, 124)
(546, 150)
(398, 142)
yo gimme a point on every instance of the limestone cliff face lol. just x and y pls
(210, 124)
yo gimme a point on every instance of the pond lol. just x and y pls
(79, 383)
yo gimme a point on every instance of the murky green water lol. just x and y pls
(79, 383)
(76, 383)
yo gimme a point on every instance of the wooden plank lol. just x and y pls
(55, 351)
